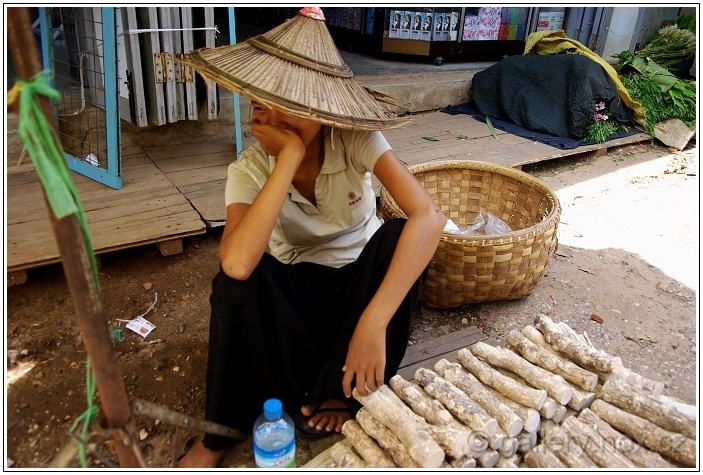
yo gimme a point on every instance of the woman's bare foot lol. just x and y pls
(332, 419)
(200, 456)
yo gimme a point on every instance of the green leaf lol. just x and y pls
(490, 127)
(431, 139)
(658, 74)
(461, 137)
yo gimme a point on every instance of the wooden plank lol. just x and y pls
(161, 222)
(212, 103)
(509, 150)
(148, 209)
(442, 344)
(214, 188)
(169, 84)
(157, 154)
(193, 162)
(153, 91)
(46, 251)
(191, 102)
(211, 208)
(177, 48)
(19, 169)
(200, 175)
(426, 354)
(159, 195)
(134, 65)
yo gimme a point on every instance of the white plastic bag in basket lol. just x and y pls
(485, 223)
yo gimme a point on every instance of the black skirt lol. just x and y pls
(284, 332)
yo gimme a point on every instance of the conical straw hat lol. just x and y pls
(297, 68)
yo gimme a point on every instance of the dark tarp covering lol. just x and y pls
(553, 94)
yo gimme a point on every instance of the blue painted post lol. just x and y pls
(46, 42)
(112, 122)
(237, 114)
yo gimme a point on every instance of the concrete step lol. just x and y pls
(418, 92)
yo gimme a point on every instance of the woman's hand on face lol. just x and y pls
(275, 139)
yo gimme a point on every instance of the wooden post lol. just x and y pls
(79, 276)
(508, 462)
(463, 462)
(373, 455)
(386, 439)
(594, 445)
(451, 435)
(422, 403)
(640, 456)
(617, 392)
(526, 441)
(345, 457)
(419, 442)
(559, 414)
(458, 403)
(488, 458)
(542, 457)
(489, 376)
(536, 376)
(531, 418)
(577, 351)
(537, 354)
(467, 382)
(671, 445)
(559, 442)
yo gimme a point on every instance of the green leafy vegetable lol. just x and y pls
(490, 127)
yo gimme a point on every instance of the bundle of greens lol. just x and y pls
(670, 47)
(662, 95)
(648, 75)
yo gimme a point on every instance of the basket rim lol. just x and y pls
(519, 175)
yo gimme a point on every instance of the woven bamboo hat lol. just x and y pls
(297, 68)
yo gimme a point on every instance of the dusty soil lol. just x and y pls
(628, 252)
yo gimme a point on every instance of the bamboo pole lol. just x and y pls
(149, 409)
(79, 276)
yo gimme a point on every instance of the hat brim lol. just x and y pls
(297, 90)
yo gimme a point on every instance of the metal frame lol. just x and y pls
(110, 176)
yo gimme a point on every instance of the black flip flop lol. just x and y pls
(188, 446)
(302, 427)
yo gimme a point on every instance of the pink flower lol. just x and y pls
(600, 106)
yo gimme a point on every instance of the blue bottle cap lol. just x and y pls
(273, 409)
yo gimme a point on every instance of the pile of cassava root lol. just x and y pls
(552, 400)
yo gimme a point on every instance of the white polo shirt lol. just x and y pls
(335, 231)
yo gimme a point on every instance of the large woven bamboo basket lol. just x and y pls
(480, 268)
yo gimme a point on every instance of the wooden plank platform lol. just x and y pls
(461, 137)
(175, 191)
(199, 171)
(426, 354)
(147, 210)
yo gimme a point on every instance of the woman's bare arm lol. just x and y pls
(416, 246)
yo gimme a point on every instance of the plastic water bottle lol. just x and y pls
(274, 437)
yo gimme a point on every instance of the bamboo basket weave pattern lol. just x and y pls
(481, 268)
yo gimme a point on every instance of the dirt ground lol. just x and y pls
(628, 252)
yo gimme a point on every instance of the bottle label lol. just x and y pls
(283, 457)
